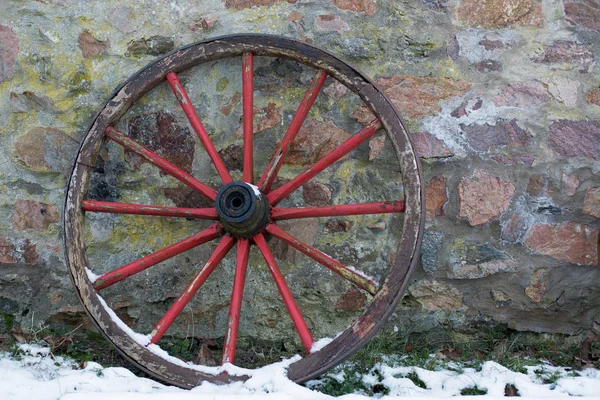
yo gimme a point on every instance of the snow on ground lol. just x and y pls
(33, 373)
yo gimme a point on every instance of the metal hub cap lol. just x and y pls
(242, 209)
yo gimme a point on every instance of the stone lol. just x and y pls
(563, 90)
(416, 96)
(336, 90)
(376, 145)
(46, 150)
(18, 251)
(330, 22)
(430, 247)
(585, 13)
(9, 48)
(153, 46)
(233, 102)
(570, 183)
(501, 298)
(90, 46)
(28, 101)
(499, 13)
(242, 4)
(568, 241)
(338, 225)
(428, 146)
(503, 133)
(591, 202)
(484, 66)
(233, 157)
(475, 261)
(123, 18)
(34, 215)
(314, 140)
(513, 229)
(535, 185)
(435, 295)
(316, 194)
(569, 54)
(206, 24)
(523, 95)
(538, 285)
(186, 197)
(491, 45)
(575, 138)
(305, 229)
(482, 198)
(205, 356)
(264, 118)
(436, 197)
(352, 300)
(440, 4)
(593, 97)
(161, 133)
(515, 160)
(367, 7)
(378, 226)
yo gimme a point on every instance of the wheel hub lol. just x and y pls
(242, 209)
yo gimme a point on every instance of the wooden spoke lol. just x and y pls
(143, 209)
(268, 177)
(347, 146)
(165, 322)
(243, 251)
(190, 112)
(248, 115)
(212, 232)
(166, 166)
(353, 276)
(381, 207)
(288, 299)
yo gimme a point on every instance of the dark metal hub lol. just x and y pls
(243, 210)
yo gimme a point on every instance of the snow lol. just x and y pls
(32, 372)
(359, 272)
(91, 276)
(255, 189)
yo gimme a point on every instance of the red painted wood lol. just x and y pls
(248, 115)
(143, 209)
(270, 173)
(212, 232)
(359, 280)
(190, 112)
(346, 147)
(381, 207)
(166, 166)
(288, 299)
(165, 322)
(243, 251)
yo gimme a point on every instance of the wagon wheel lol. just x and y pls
(246, 215)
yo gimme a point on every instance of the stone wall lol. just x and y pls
(502, 97)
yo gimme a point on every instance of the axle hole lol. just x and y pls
(237, 202)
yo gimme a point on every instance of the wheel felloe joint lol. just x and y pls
(242, 209)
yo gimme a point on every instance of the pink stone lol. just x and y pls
(264, 118)
(330, 22)
(523, 95)
(314, 140)
(18, 251)
(500, 13)
(575, 138)
(34, 215)
(591, 202)
(483, 197)
(367, 7)
(565, 52)
(570, 183)
(90, 46)
(376, 145)
(428, 146)
(9, 48)
(436, 196)
(316, 194)
(585, 13)
(569, 241)
(352, 300)
(503, 133)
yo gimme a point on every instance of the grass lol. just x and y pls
(473, 391)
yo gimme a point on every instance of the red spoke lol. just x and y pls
(143, 209)
(248, 114)
(353, 276)
(346, 147)
(165, 322)
(212, 232)
(288, 299)
(268, 177)
(381, 207)
(190, 112)
(160, 162)
(243, 251)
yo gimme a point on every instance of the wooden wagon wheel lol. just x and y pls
(246, 212)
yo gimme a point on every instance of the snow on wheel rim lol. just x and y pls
(390, 291)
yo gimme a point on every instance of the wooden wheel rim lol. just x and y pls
(383, 304)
